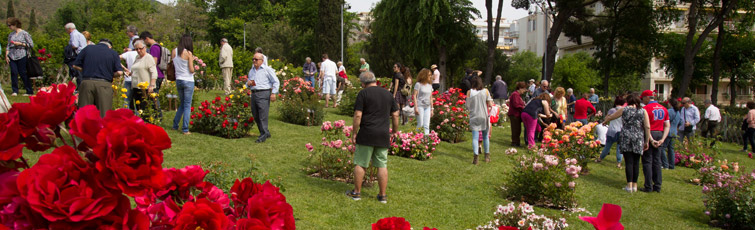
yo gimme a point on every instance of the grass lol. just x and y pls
(446, 192)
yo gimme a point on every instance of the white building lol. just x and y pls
(507, 35)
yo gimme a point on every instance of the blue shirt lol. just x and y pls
(675, 119)
(264, 78)
(691, 115)
(309, 67)
(131, 42)
(77, 40)
(594, 99)
(98, 61)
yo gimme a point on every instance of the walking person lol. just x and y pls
(98, 65)
(183, 62)
(225, 60)
(328, 72)
(690, 117)
(143, 70)
(712, 117)
(423, 100)
(478, 102)
(516, 105)
(397, 87)
(374, 110)
(264, 85)
(500, 91)
(749, 125)
(130, 58)
(365, 67)
(659, 126)
(614, 129)
(538, 107)
(634, 138)
(436, 77)
(310, 69)
(77, 41)
(667, 149)
(16, 55)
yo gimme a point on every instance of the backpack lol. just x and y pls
(164, 59)
(69, 54)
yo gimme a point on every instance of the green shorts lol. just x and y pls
(364, 153)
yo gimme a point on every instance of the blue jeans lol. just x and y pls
(311, 80)
(18, 68)
(583, 121)
(423, 119)
(127, 102)
(476, 141)
(668, 156)
(610, 140)
(185, 90)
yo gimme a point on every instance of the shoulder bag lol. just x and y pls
(33, 67)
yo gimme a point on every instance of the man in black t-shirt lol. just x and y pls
(374, 109)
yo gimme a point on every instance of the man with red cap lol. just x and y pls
(659, 128)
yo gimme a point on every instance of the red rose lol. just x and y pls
(427, 228)
(10, 136)
(241, 191)
(135, 220)
(19, 215)
(270, 207)
(8, 189)
(391, 223)
(129, 153)
(214, 194)
(507, 228)
(50, 108)
(86, 124)
(179, 182)
(202, 214)
(61, 187)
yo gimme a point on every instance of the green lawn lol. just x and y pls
(446, 192)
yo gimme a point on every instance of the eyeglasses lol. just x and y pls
(255, 59)
(141, 48)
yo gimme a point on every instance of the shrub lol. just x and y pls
(228, 117)
(284, 71)
(523, 217)
(544, 180)
(729, 200)
(300, 104)
(695, 154)
(574, 141)
(332, 160)
(707, 174)
(450, 116)
(414, 145)
(349, 97)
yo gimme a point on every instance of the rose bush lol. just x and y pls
(228, 117)
(574, 141)
(730, 200)
(449, 116)
(332, 160)
(545, 180)
(708, 174)
(523, 217)
(695, 154)
(123, 157)
(414, 145)
(300, 104)
(350, 92)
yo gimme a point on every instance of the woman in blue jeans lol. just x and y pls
(183, 61)
(668, 156)
(614, 128)
(16, 53)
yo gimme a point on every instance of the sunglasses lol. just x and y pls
(255, 59)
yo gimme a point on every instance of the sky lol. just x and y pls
(509, 13)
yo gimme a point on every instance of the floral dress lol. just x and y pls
(632, 135)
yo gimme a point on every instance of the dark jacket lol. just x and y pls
(500, 90)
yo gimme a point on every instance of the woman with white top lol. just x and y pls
(478, 101)
(614, 128)
(183, 61)
(423, 100)
(143, 70)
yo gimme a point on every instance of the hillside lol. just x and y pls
(44, 9)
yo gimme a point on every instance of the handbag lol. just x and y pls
(33, 67)
(170, 73)
(406, 90)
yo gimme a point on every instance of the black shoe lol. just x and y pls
(260, 140)
(353, 195)
(382, 199)
(645, 190)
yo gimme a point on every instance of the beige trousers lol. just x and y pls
(227, 76)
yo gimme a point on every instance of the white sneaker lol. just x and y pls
(14, 94)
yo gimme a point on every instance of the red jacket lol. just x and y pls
(516, 104)
(581, 108)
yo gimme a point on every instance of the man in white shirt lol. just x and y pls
(436, 77)
(129, 57)
(328, 70)
(713, 117)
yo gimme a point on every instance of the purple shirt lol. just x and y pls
(154, 50)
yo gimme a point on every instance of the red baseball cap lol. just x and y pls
(647, 93)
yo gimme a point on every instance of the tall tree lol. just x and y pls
(559, 12)
(524, 66)
(738, 62)
(32, 20)
(717, 62)
(493, 32)
(575, 71)
(11, 10)
(328, 30)
(698, 17)
(440, 27)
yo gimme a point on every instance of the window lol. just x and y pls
(659, 89)
(703, 89)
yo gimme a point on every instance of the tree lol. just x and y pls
(738, 61)
(11, 11)
(743, 23)
(32, 20)
(439, 28)
(493, 37)
(671, 48)
(575, 71)
(524, 66)
(559, 12)
(328, 30)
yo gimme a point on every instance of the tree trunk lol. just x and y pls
(549, 60)
(493, 35)
(442, 57)
(717, 63)
(733, 91)
(609, 62)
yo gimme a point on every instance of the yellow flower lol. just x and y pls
(137, 102)
(161, 44)
(114, 86)
(124, 90)
(231, 96)
(153, 95)
(143, 85)
(123, 96)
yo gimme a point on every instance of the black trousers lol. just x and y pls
(749, 137)
(516, 130)
(632, 169)
(651, 164)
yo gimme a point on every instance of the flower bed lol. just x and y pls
(332, 160)
(730, 200)
(414, 145)
(395, 223)
(228, 117)
(124, 157)
(695, 154)
(544, 180)
(708, 174)
(574, 141)
(522, 216)
(300, 104)
(450, 116)
(349, 97)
